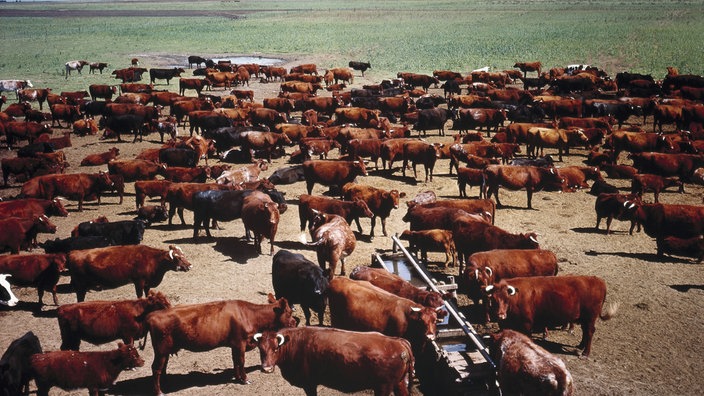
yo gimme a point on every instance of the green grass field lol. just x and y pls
(419, 36)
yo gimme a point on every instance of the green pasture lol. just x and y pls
(418, 36)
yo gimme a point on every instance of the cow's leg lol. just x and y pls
(309, 186)
(180, 215)
(529, 193)
(158, 368)
(311, 390)
(371, 233)
(306, 313)
(238, 363)
(141, 288)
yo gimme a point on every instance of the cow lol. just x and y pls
(99, 322)
(165, 74)
(614, 205)
(363, 118)
(638, 142)
(349, 210)
(338, 359)
(66, 245)
(261, 216)
(467, 119)
(229, 323)
(524, 368)
(133, 170)
(307, 68)
(485, 208)
(74, 65)
(244, 174)
(14, 85)
(195, 60)
(27, 167)
(300, 87)
(333, 240)
(24, 130)
(92, 370)
(267, 141)
(473, 236)
(361, 306)
(7, 297)
(130, 74)
(100, 66)
(475, 154)
(39, 270)
(380, 202)
(196, 84)
(682, 165)
(562, 139)
(187, 175)
(77, 186)
(32, 95)
(101, 158)
(123, 232)
(179, 156)
(421, 152)
(667, 114)
(361, 66)
(152, 214)
(663, 220)
(601, 186)
(331, 173)
(648, 182)
(15, 367)
(342, 74)
(300, 281)
(121, 124)
(535, 303)
(32, 207)
(525, 67)
(394, 284)
(150, 188)
(85, 127)
(432, 240)
(287, 175)
(469, 176)
(488, 267)
(513, 177)
(688, 247)
(115, 266)
(434, 118)
(576, 176)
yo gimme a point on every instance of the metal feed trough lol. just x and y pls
(458, 363)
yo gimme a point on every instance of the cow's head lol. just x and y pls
(500, 296)
(361, 167)
(56, 208)
(128, 357)
(157, 300)
(282, 311)
(45, 225)
(422, 321)
(362, 208)
(6, 296)
(269, 344)
(178, 259)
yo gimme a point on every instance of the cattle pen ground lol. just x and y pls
(652, 347)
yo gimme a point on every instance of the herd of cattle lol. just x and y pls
(563, 108)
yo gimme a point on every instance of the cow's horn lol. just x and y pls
(488, 271)
(476, 273)
(532, 238)
(489, 288)
(280, 339)
(257, 337)
(415, 309)
(511, 290)
(171, 254)
(438, 309)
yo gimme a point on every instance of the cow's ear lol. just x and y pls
(270, 298)
(402, 194)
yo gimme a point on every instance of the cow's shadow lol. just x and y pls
(238, 249)
(647, 257)
(686, 288)
(590, 230)
(178, 382)
(557, 348)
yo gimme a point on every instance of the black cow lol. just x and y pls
(15, 368)
(124, 232)
(196, 60)
(31, 150)
(543, 162)
(224, 205)
(66, 245)
(288, 175)
(119, 124)
(177, 156)
(300, 281)
(434, 118)
(361, 66)
(165, 74)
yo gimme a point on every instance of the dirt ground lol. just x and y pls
(651, 347)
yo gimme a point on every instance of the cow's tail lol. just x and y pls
(410, 365)
(610, 311)
(144, 340)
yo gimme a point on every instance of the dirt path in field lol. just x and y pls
(652, 347)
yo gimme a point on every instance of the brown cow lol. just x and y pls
(39, 270)
(688, 247)
(300, 87)
(394, 284)
(77, 186)
(380, 201)
(32, 207)
(349, 210)
(133, 170)
(93, 370)
(484, 207)
(333, 240)
(467, 119)
(150, 188)
(469, 176)
(203, 327)
(85, 127)
(614, 205)
(682, 165)
(536, 303)
(576, 176)
(531, 178)
(637, 142)
(361, 306)
(180, 174)
(663, 220)
(21, 233)
(432, 240)
(524, 368)
(309, 356)
(331, 173)
(307, 68)
(101, 158)
(180, 196)
(27, 167)
(647, 182)
(102, 91)
(525, 67)
(114, 266)
(196, 84)
(421, 152)
(99, 322)
(260, 215)
(562, 139)
(466, 152)
(32, 95)
(24, 130)
(363, 118)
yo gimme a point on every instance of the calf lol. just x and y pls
(15, 367)
(287, 175)
(66, 245)
(380, 201)
(21, 233)
(688, 247)
(525, 368)
(124, 232)
(39, 270)
(432, 240)
(99, 322)
(152, 214)
(350, 210)
(421, 152)
(300, 281)
(306, 357)
(472, 177)
(614, 205)
(394, 284)
(333, 240)
(203, 327)
(92, 370)
(150, 188)
(260, 215)
(100, 159)
(647, 182)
